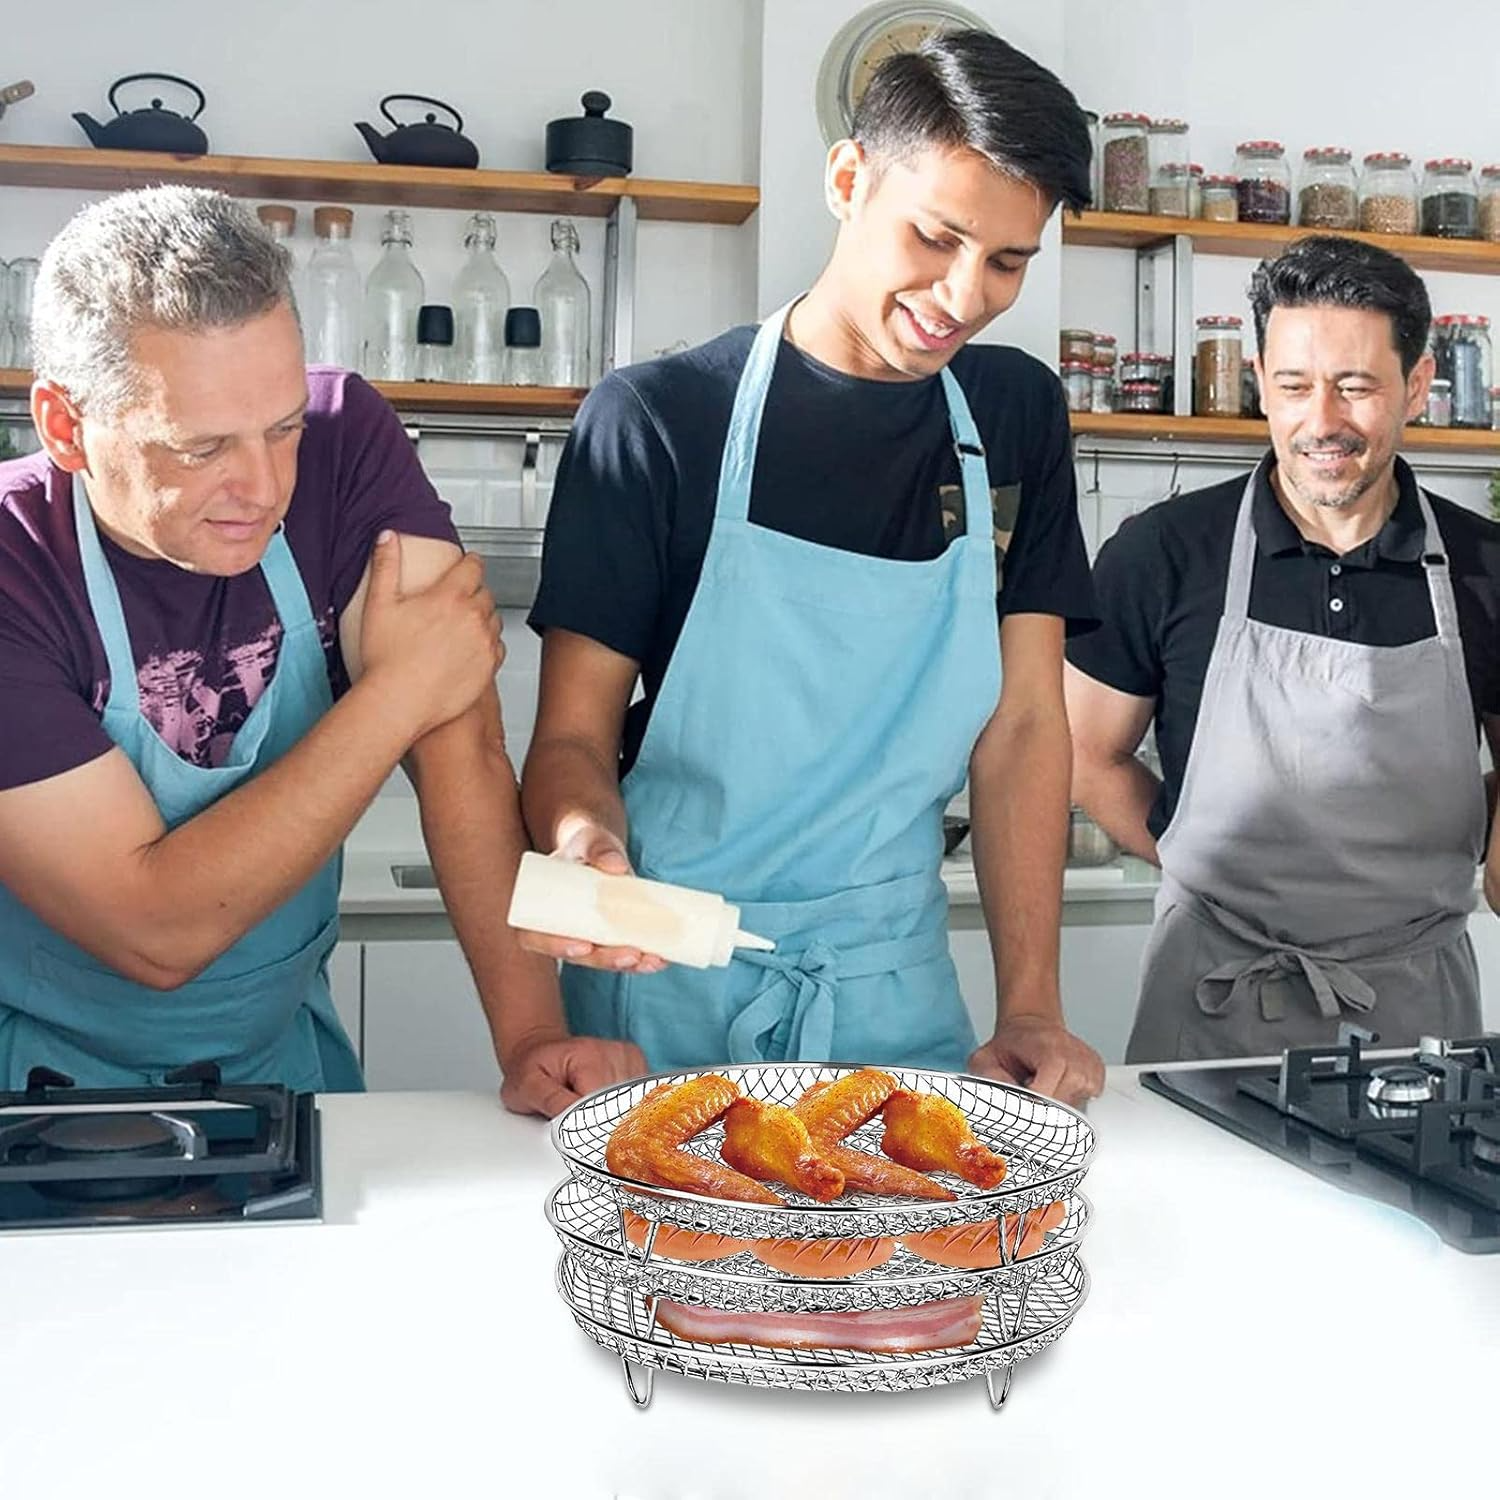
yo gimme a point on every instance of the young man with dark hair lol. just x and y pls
(1316, 646)
(796, 538)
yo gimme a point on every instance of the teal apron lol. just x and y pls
(816, 717)
(262, 1010)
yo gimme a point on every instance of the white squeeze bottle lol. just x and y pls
(566, 899)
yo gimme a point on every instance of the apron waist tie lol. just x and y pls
(1235, 983)
(790, 1016)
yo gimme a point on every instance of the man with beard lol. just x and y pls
(1316, 646)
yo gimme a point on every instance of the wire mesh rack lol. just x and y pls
(1047, 1147)
(589, 1225)
(1015, 1323)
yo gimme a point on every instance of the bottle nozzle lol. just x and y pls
(750, 940)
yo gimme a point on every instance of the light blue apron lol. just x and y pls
(262, 1010)
(817, 715)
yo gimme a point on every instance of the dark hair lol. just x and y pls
(970, 89)
(1326, 270)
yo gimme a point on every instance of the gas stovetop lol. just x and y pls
(192, 1151)
(1419, 1131)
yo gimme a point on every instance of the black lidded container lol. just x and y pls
(588, 145)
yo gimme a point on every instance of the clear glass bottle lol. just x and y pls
(481, 299)
(1126, 171)
(1450, 203)
(20, 288)
(1167, 143)
(1388, 194)
(435, 342)
(523, 347)
(393, 295)
(562, 300)
(332, 295)
(1327, 197)
(1265, 182)
(1217, 362)
(280, 221)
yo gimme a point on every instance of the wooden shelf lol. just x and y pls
(1135, 231)
(1165, 429)
(88, 169)
(422, 395)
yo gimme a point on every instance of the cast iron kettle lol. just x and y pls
(588, 145)
(154, 129)
(426, 143)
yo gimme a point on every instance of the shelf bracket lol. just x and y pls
(1164, 311)
(618, 335)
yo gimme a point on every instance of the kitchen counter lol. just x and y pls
(1251, 1331)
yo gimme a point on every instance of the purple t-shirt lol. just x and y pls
(205, 647)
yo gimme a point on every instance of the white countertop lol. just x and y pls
(1250, 1331)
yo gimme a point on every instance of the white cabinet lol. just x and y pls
(423, 1026)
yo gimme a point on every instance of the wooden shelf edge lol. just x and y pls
(86, 167)
(1133, 231)
(1169, 429)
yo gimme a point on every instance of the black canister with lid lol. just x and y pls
(588, 145)
(434, 342)
(523, 346)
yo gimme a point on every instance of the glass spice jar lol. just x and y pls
(1171, 192)
(1327, 197)
(1140, 396)
(1105, 350)
(1265, 182)
(1450, 203)
(1495, 407)
(1388, 194)
(1127, 164)
(1217, 363)
(1195, 190)
(1221, 199)
(1075, 343)
(1078, 384)
(1439, 409)
(1137, 366)
(1489, 203)
(1461, 347)
(1103, 389)
(1168, 147)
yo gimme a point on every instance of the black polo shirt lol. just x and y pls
(1160, 584)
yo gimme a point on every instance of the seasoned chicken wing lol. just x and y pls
(768, 1141)
(647, 1144)
(932, 1134)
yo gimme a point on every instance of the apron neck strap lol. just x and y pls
(104, 601)
(1242, 555)
(979, 523)
(1439, 578)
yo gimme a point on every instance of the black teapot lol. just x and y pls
(154, 129)
(426, 143)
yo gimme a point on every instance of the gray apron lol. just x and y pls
(1320, 863)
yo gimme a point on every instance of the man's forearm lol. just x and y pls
(217, 875)
(568, 778)
(1118, 794)
(471, 819)
(1018, 802)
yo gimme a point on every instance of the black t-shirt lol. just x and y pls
(865, 466)
(1161, 578)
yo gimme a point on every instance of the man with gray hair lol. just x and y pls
(230, 604)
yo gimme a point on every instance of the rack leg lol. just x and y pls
(998, 1383)
(640, 1381)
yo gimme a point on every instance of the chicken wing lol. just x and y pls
(932, 1134)
(768, 1141)
(647, 1144)
(832, 1110)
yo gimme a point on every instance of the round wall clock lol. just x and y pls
(865, 42)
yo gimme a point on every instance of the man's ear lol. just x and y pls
(1418, 383)
(57, 425)
(845, 175)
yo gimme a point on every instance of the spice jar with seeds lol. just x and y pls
(1103, 387)
(1388, 194)
(1168, 144)
(1450, 204)
(1105, 346)
(1171, 192)
(1489, 203)
(1265, 182)
(1461, 346)
(1217, 365)
(1327, 197)
(1078, 384)
(1075, 343)
(1140, 396)
(1221, 199)
(1127, 164)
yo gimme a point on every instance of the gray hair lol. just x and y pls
(186, 259)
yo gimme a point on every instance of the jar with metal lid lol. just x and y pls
(1168, 145)
(1489, 203)
(1078, 384)
(1265, 182)
(1075, 343)
(1450, 203)
(1127, 164)
(1137, 366)
(1105, 346)
(1103, 387)
(1388, 194)
(1439, 409)
(1327, 197)
(1461, 347)
(1140, 396)
(1221, 199)
(1217, 361)
(1195, 190)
